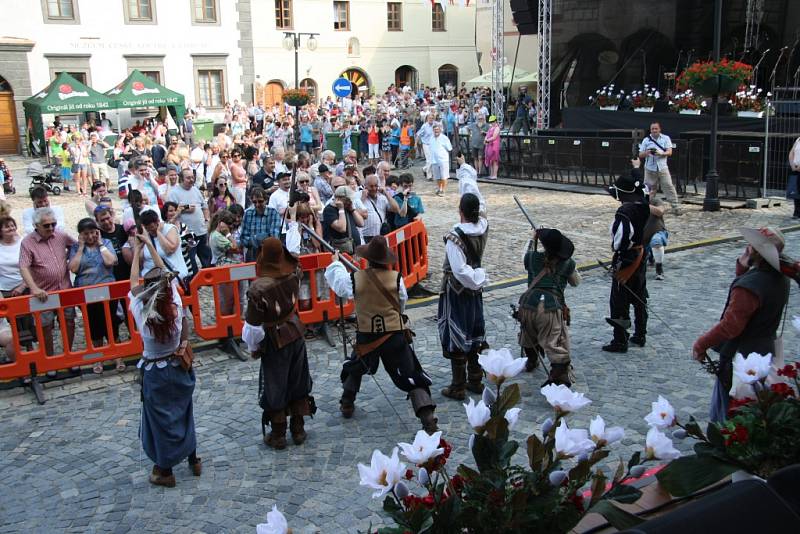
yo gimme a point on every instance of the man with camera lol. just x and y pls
(655, 149)
(379, 204)
(194, 215)
(341, 221)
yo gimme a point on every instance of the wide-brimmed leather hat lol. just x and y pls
(627, 184)
(274, 260)
(555, 243)
(377, 251)
(768, 242)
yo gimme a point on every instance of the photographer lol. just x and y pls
(655, 149)
(407, 199)
(340, 221)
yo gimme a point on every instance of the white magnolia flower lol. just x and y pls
(422, 476)
(424, 448)
(500, 365)
(662, 414)
(564, 399)
(276, 523)
(512, 415)
(601, 434)
(572, 442)
(658, 446)
(754, 367)
(477, 414)
(382, 473)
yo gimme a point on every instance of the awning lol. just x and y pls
(521, 76)
(140, 91)
(66, 95)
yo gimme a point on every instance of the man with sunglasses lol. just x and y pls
(43, 265)
(40, 199)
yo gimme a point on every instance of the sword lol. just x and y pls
(708, 364)
(525, 213)
(330, 248)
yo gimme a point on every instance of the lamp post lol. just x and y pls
(711, 200)
(291, 41)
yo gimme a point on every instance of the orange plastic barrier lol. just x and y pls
(410, 243)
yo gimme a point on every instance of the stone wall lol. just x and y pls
(14, 68)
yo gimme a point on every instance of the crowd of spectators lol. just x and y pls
(213, 203)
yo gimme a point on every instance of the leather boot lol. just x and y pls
(423, 407)
(456, 388)
(277, 436)
(559, 374)
(474, 374)
(347, 404)
(162, 478)
(532, 354)
(298, 409)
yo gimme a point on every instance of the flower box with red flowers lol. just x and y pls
(606, 99)
(296, 97)
(687, 103)
(714, 77)
(750, 102)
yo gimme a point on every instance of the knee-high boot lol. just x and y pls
(423, 407)
(474, 374)
(456, 388)
(298, 409)
(277, 436)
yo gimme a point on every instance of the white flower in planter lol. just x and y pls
(571, 443)
(754, 367)
(602, 435)
(512, 415)
(424, 448)
(563, 399)
(658, 446)
(500, 365)
(382, 473)
(477, 414)
(662, 414)
(276, 523)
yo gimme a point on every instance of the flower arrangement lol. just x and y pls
(276, 524)
(605, 97)
(687, 101)
(644, 98)
(701, 71)
(749, 99)
(760, 435)
(547, 495)
(296, 97)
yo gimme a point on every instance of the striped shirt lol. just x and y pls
(47, 259)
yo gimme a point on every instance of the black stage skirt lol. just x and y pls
(284, 376)
(462, 328)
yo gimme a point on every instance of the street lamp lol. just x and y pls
(291, 41)
(711, 200)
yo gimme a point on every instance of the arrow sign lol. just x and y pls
(342, 87)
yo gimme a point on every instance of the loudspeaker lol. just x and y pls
(722, 511)
(526, 16)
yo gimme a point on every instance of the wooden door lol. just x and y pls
(273, 94)
(9, 135)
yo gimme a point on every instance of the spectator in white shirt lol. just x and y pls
(378, 204)
(40, 200)
(468, 181)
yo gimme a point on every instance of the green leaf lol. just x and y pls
(693, 428)
(483, 450)
(620, 472)
(507, 451)
(598, 486)
(536, 452)
(496, 428)
(636, 459)
(467, 473)
(598, 455)
(689, 474)
(508, 398)
(619, 519)
(623, 493)
(714, 436)
(580, 473)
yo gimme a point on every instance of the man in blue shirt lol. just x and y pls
(259, 222)
(413, 202)
(306, 136)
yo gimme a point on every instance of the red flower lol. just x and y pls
(735, 404)
(427, 501)
(458, 483)
(784, 390)
(446, 446)
(739, 434)
(409, 474)
(577, 501)
(788, 371)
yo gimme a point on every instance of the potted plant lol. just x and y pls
(606, 99)
(296, 97)
(549, 493)
(644, 100)
(749, 102)
(687, 103)
(759, 437)
(715, 77)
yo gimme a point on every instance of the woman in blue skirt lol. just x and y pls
(167, 427)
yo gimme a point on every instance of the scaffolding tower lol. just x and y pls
(543, 89)
(498, 61)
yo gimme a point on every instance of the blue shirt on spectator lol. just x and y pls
(414, 208)
(92, 269)
(306, 133)
(256, 227)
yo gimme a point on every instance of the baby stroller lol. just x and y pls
(47, 176)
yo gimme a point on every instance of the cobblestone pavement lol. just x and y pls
(75, 464)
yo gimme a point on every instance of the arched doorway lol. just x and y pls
(406, 75)
(273, 93)
(358, 80)
(448, 75)
(311, 88)
(643, 56)
(9, 135)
